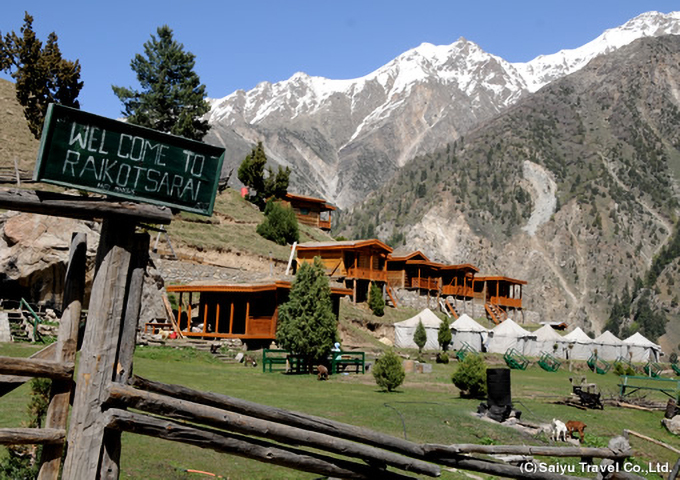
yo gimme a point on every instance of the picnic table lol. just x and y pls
(342, 361)
(291, 363)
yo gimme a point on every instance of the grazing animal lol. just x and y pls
(558, 430)
(248, 360)
(574, 426)
(323, 372)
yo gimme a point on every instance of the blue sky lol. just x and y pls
(239, 44)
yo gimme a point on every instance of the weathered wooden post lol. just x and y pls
(57, 413)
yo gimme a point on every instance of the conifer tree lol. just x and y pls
(280, 224)
(262, 184)
(444, 335)
(376, 302)
(388, 371)
(42, 76)
(172, 98)
(307, 324)
(420, 336)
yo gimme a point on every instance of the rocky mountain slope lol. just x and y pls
(575, 188)
(345, 138)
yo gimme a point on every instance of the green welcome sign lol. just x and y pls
(98, 154)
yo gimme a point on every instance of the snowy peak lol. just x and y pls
(546, 68)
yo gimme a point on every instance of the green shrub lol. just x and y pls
(420, 337)
(279, 225)
(619, 369)
(388, 371)
(444, 335)
(375, 300)
(443, 357)
(470, 377)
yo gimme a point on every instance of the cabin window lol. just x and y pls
(304, 211)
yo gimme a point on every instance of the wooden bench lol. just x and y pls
(291, 363)
(632, 384)
(341, 361)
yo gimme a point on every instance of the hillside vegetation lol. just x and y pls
(575, 189)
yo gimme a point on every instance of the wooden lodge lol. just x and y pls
(414, 272)
(248, 312)
(356, 263)
(315, 212)
(457, 281)
(499, 294)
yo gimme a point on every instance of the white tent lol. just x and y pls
(579, 346)
(640, 349)
(609, 347)
(466, 330)
(510, 335)
(404, 331)
(546, 338)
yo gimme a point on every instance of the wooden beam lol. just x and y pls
(33, 367)
(72, 206)
(278, 415)
(443, 450)
(67, 343)
(9, 382)
(246, 447)
(31, 436)
(215, 417)
(100, 348)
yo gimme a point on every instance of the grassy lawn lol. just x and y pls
(427, 408)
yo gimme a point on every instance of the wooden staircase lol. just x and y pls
(448, 309)
(495, 313)
(390, 294)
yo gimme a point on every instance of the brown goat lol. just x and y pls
(574, 426)
(323, 372)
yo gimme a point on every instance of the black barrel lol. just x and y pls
(498, 386)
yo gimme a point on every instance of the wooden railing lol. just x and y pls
(457, 290)
(325, 224)
(425, 283)
(506, 302)
(367, 274)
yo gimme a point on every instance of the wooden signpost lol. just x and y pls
(98, 154)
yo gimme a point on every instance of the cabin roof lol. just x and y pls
(344, 245)
(486, 278)
(205, 286)
(462, 266)
(413, 256)
(291, 197)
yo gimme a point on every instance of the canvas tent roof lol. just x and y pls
(466, 330)
(581, 344)
(641, 349)
(609, 347)
(510, 335)
(546, 337)
(608, 338)
(465, 323)
(578, 335)
(638, 339)
(403, 331)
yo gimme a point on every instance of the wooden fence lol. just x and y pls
(105, 386)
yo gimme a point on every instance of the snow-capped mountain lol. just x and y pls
(344, 138)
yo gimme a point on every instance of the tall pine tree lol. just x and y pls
(42, 76)
(263, 184)
(307, 324)
(172, 98)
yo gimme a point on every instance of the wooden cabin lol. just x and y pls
(315, 212)
(500, 295)
(457, 280)
(248, 312)
(356, 263)
(414, 272)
